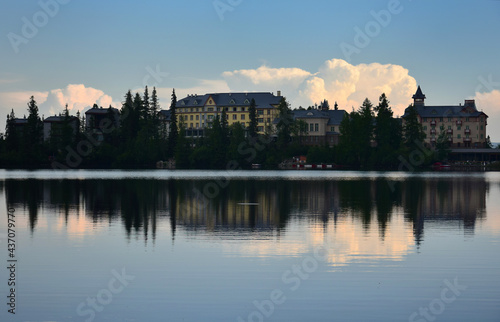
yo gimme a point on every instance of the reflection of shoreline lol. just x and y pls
(252, 206)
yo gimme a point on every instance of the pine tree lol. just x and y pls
(412, 129)
(12, 138)
(154, 110)
(173, 134)
(252, 128)
(34, 132)
(129, 119)
(284, 124)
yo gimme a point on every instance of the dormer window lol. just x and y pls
(195, 102)
(183, 103)
(232, 102)
(247, 101)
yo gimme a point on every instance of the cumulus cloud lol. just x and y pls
(489, 102)
(335, 80)
(78, 97)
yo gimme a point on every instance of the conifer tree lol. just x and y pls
(252, 128)
(173, 134)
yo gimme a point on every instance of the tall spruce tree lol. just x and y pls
(284, 124)
(174, 132)
(34, 131)
(252, 111)
(412, 130)
(154, 110)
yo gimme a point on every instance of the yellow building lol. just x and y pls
(197, 112)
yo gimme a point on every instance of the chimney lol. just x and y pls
(279, 93)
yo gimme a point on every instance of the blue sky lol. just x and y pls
(94, 51)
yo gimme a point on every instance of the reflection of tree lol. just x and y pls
(219, 206)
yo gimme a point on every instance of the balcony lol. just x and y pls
(433, 139)
(459, 123)
(433, 123)
(467, 139)
(433, 131)
(449, 131)
(467, 131)
(450, 139)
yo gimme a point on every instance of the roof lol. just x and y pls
(419, 94)
(262, 100)
(20, 121)
(447, 111)
(166, 114)
(59, 118)
(101, 110)
(334, 117)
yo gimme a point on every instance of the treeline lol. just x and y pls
(370, 137)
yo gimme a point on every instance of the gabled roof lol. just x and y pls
(447, 111)
(18, 121)
(95, 110)
(334, 117)
(58, 119)
(166, 114)
(262, 100)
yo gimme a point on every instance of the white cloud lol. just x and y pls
(489, 103)
(336, 80)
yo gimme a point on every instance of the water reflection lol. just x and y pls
(253, 206)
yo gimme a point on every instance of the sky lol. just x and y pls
(79, 52)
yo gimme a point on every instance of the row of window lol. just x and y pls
(450, 119)
(449, 127)
(460, 136)
(197, 126)
(219, 109)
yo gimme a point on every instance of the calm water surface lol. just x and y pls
(252, 246)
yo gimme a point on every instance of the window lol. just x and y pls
(210, 109)
(235, 117)
(260, 128)
(183, 103)
(191, 117)
(268, 120)
(481, 127)
(449, 127)
(316, 127)
(482, 119)
(260, 120)
(268, 112)
(210, 117)
(425, 119)
(466, 127)
(191, 125)
(197, 117)
(242, 116)
(481, 136)
(441, 127)
(466, 119)
(440, 119)
(459, 127)
(247, 101)
(234, 109)
(197, 125)
(195, 102)
(260, 112)
(332, 129)
(311, 127)
(232, 101)
(449, 119)
(459, 136)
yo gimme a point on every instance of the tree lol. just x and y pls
(34, 132)
(12, 137)
(154, 110)
(252, 128)
(284, 124)
(412, 129)
(363, 130)
(387, 133)
(488, 144)
(442, 146)
(129, 119)
(236, 139)
(172, 136)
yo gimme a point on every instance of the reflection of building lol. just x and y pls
(463, 126)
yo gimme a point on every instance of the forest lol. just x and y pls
(370, 138)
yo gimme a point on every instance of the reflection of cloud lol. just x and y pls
(345, 241)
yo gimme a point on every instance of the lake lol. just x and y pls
(165, 245)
